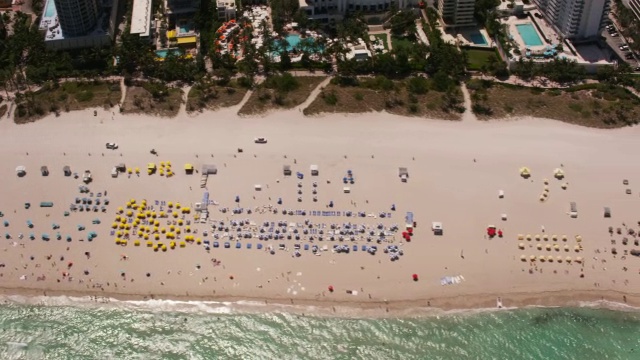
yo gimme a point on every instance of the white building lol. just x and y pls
(226, 9)
(576, 19)
(456, 13)
(336, 9)
(141, 18)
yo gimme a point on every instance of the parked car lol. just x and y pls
(112, 146)
(615, 34)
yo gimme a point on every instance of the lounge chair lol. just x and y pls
(216, 244)
(238, 245)
(227, 245)
(355, 247)
(248, 245)
(306, 246)
(259, 246)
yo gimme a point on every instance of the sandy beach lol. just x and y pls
(456, 170)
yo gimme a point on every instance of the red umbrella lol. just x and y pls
(415, 277)
(500, 233)
(410, 230)
(330, 288)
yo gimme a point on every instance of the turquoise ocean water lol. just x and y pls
(169, 330)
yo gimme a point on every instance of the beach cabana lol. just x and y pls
(607, 212)
(21, 171)
(209, 169)
(151, 168)
(314, 170)
(286, 170)
(66, 170)
(573, 210)
(121, 167)
(188, 169)
(525, 172)
(558, 174)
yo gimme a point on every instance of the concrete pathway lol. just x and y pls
(468, 114)
(314, 94)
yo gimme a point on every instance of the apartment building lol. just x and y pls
(77, 17)
(326, 9)
(576, 19)
(456, 13)
(634, 6)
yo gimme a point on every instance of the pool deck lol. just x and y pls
(462, 37)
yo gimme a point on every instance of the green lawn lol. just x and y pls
(383, 38)
(400, 42)
(478, 57)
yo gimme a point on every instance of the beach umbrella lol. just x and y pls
(546, 181)
(175, 215)
(156, 236)
(523, 257)
(548, 247)
(164, 247)
(541, 198)
(414, 277)
(120, 210)
(161, 172)
(121, 226)
(172, 227)
(546, 189)
(180, 222)
(129, 171)
(129, 213)
(136, 243)
(529, 237)
(545, 237)
(537, 237)
(178, 231)
(163, 230)
(153, 215)
(146, 236)
(187, 229)
(198, 241)
(330, 288)
(559, 259)
(155, 247)
(183, 244)
(177, 205)
(568, 259)
(127, 227)
(566, 248)
(539, 246)
(132, 201)
(556, 247)
(564, 237)
(149, 243)
(577, 248)
(550, 258)
(118, 241)
(114, 225)
(542, 258)
(579, 259)
(578, 238)
(172, 245)
(520, 237)
(169, 204)
(564, 186)
(554, 237)
(532, 258)
(521, 246)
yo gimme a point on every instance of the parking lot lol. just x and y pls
(615, 42)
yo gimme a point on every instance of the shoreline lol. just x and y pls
(410, 308)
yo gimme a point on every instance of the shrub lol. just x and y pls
(508, 109)
(330, 98)
(358, 96)
(418, 85)
(575, 107)
(554, 92)
(84, 95)
(413, 108)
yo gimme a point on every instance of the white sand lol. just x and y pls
(445, 185)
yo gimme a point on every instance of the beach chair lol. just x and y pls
(259, 246)
(364, 248)
(248, 245)
(238, 245)
(216, 244)
(227, 245)
(306, 247)
(355, 247)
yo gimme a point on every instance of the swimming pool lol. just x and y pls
(529, 34)
(478, 39)
(51, 9)
(184, 29)
(164, 52)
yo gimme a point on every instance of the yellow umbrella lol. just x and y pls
(127, 226)
(129, 213)
(156, 223)
(129, 171)
(161, 172)
(186, 210)
(139, 233)
(180, 222)
(163, 230)
(198, 241)
(121, 226)
(155, 247)
(123, 242)
(120, 210)
(146, 236)
(162, 214)
(168, 163)
(172, 227)
(177, 205)
(136, 243)
(114, 225)
(153, 215)
(164, 247)
(161, 163)
(187, 229)
(156, 236)
(175, 214)
(170, 204)
(149, 243)
(137, 170)
(178, 231)
(183, 244)
(196, 216)
(118, 240)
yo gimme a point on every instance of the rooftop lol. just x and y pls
(141, 17)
